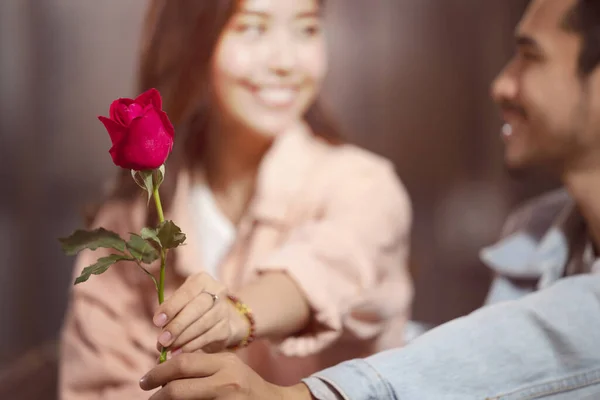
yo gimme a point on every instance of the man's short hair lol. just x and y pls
(584, 18)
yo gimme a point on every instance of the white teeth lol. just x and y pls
(507, 130)
(276, 96)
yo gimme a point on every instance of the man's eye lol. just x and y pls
(529, 55)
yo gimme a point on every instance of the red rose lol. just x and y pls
(140, 131)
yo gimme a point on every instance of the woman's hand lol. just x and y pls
(198, 316)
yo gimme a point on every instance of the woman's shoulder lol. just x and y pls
(352, 176)
(356, 171)
(361, 163)
(301, 143)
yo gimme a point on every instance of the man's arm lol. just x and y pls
(547, 341)
(544, 344)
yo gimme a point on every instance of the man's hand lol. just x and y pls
(223, 376)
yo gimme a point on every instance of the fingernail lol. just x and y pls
(143, 381)
(164, 338)
(160, 320)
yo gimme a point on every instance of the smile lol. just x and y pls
(276, 96)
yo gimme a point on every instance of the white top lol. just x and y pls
(215, 231)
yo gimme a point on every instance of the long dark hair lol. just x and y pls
(178, 41)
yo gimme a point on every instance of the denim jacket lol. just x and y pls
(543, 345)
(542, 242)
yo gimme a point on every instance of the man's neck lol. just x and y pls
(584, 187)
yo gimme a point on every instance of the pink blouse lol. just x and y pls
(336, 218)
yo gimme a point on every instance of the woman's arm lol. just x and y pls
(279, 306)
(346, 270)
(350, 265)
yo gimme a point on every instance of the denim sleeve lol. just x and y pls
(321, 390)
(354, 379)
(542, 346)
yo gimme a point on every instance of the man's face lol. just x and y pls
(549, 110)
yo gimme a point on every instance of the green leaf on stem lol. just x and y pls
(150, 234)
(170, 235)
(142, 249)
(98, 238)
(101, 266)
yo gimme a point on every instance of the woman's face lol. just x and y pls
(269, 64)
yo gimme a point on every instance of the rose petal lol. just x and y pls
(114, 129)
(118, 160)
(151, 96)
(116, 107)
(121, 158)
(132, 112)
(147, 144)
(167, 124)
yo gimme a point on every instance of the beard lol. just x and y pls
(548, 147)
(517, 172)
(531, 172)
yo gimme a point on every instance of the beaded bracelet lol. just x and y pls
(245, 311)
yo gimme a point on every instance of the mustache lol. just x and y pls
(512, 107)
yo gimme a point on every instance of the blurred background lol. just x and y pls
(409, 79)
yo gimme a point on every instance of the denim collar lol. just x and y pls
(533, 253)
